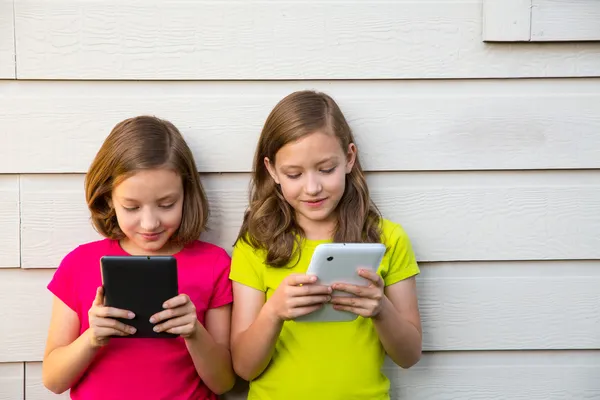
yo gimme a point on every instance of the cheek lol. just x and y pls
(126, 220)
(172, 218)
(291, 189)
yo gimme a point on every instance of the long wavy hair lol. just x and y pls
(269, 222)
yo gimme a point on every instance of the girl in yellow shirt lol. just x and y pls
(308, 188)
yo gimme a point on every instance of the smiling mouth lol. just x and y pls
(150, 235)
(315, 202)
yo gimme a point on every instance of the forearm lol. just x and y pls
(400, 338)
(63, 367)
(212, 360)
(252, 350)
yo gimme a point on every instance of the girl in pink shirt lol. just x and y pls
(145, 197)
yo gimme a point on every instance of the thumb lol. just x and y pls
(99, 300)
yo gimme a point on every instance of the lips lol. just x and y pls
(315, 202)
(151, 236)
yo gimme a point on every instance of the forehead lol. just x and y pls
(310, 149)
(151, 183)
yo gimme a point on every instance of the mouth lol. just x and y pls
(151, 236)
(315, 202)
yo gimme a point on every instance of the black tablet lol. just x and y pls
(140, 284)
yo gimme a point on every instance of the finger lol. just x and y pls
(310, 290)
(300, 311)
(175, 323)
(103, 332)
(373, 276)
(360, 291)
(300, 279)
(176, 301)
(351, 301)
(99, 299)
(172, 313)
(109, 323)
(355, 310)
(111, 312)
(304, 301)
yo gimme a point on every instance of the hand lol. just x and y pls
(180, 317)
(297, 295)
(102, 322)
(369, 299)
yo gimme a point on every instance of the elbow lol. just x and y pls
(52, 385)
(411, 359)
(225, 386)
(243, 372)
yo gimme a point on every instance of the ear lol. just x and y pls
(271, 168)
(350, 157)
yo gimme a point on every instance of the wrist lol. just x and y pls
(386, 306)
(197, 332)
(89, 342)
(270, 313)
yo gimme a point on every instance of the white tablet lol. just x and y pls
(339, 263)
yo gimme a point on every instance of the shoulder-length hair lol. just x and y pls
(135, 144)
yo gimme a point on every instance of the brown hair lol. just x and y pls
(269, 223)
(138, 143)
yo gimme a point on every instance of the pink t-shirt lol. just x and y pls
(129, 368)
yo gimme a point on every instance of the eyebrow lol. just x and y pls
(167, 197)
(325, 160)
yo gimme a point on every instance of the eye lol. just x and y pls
(130, 209)
(167, 206)
(328, 171)
(295, 176)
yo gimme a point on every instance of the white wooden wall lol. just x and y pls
(487, 153)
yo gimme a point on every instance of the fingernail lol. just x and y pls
(328, 298)
(132, 330)
(131, 315)
(152, 320)
(165, 305)
(156, 329)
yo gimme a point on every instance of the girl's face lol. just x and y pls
(312, 174)
(149, 207)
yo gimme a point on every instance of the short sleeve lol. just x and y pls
(63, 283)
(222, 293)
(247, 267)
(402, 262)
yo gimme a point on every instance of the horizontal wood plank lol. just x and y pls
(34, 388)
(565, 20)
(506, 20)
(550, 375)
(192, 40)
(399, 125)
(449, 216)
(7, 40)
(464, 306)
(499, 376)
(12, 380)
(9, 221)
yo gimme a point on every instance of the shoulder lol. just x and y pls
(87, 250)
(392, 233)
(199, 248)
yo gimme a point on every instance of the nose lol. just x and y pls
(313, 185)
(149, 221)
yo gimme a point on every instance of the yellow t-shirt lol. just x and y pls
(323, 360)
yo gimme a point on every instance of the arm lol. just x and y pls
(399, 323)
(254, 332)
(394, 312)
(256, 324)
(209, 349)
(68, 354)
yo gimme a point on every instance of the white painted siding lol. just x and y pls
(497, 181)
(400, 125)
(81, 39)
(7, 40)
